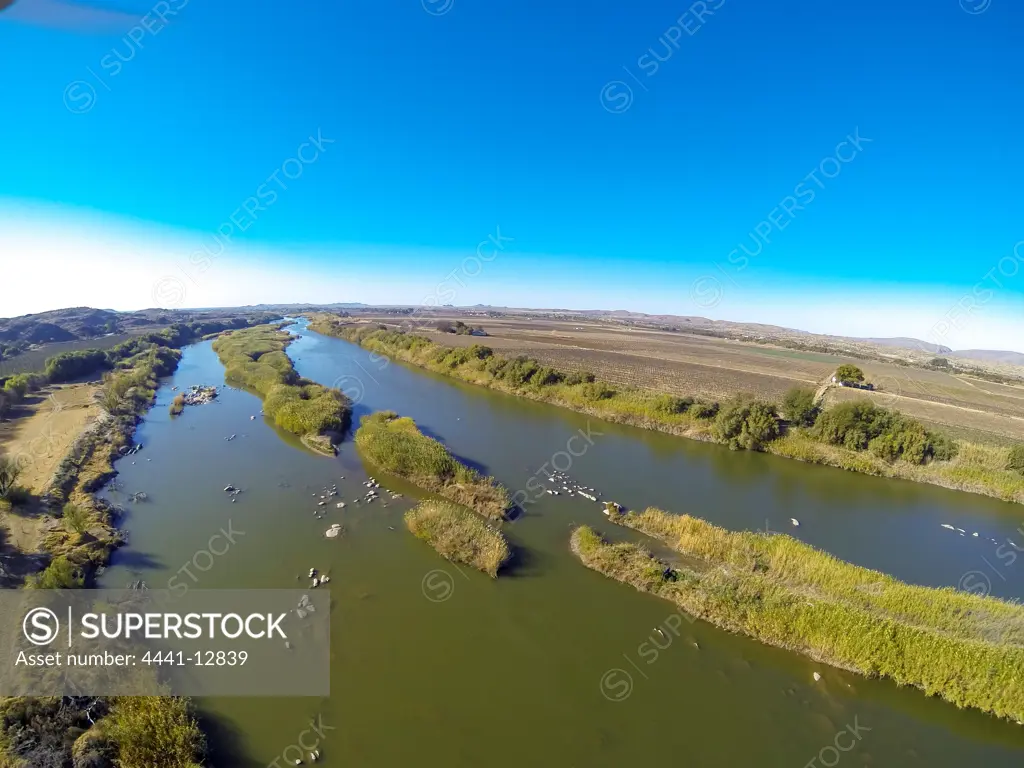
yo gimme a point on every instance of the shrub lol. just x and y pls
(178, 405)
(155, 731)
(61, 573)
(669, 404)
(597, 390)
(747, 424)
(704, 410)
(75, 517)
(800, 407)
(579, 377)
(10, 471)
(860, 425)
(1015, 460)
(71, 365)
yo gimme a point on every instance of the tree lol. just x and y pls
(5, 405)
(747, 424)
(10, 471)
(76, 518)
(849, 374)
(800, 406)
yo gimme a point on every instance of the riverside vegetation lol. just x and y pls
(397, 446)
(97, 732)
(255, 358)
(857, 436)
(969, 650)
(459, 535)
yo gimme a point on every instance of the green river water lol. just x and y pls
(552, 664)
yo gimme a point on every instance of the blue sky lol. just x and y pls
(620, 154)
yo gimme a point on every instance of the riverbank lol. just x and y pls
(255, 358)
(112, 730)
(397, 446)
(972, 467)
(459, 535)
(966, 649)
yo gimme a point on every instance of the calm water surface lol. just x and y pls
(552, 665)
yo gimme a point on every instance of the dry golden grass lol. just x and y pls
(459, 535)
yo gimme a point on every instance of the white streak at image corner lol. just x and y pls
(68, 15)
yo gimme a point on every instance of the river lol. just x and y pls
(552, 664)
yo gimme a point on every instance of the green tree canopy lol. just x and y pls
(849, 374)
(799, 406)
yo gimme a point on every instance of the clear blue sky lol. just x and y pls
(456, 119)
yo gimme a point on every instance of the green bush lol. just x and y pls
(61, 573)
(749, 424)
(860, 425)
(155, 731)
(704, 410)
(669, 404)
(579, 377)
(76, 518)
(800, 407)
(1015, 461)
(71, 365)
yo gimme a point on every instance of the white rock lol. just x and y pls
(817, 677)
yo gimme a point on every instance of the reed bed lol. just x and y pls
(459, 535)
(255, 358)
(967, 649)
(396, 445)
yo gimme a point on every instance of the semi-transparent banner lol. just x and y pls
(118, 642)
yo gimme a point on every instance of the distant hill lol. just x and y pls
(85, 323)
(991, 356)
(905, 342)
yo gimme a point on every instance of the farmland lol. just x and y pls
(34, 359)
(717, 368)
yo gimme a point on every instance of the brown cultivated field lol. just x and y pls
(715, 368)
